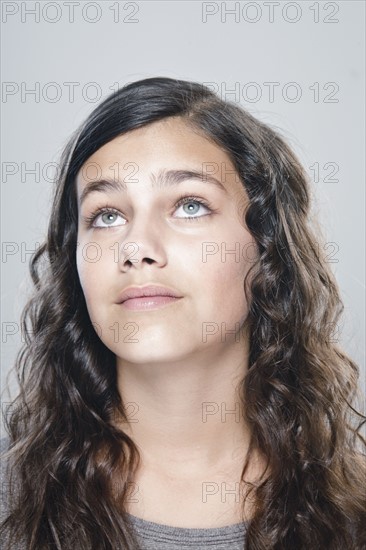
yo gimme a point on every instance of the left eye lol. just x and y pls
(189, 202)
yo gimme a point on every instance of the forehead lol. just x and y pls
(171, 136)
(166, 144)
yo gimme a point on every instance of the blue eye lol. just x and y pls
(90, 220)
(109, 213)
(190, 201)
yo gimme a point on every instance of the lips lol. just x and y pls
(146, 291)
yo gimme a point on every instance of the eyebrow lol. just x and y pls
(165, 178)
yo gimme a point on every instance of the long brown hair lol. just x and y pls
(300, 390)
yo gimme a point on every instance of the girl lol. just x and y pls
(180, 382)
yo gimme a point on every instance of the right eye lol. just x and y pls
(90, 220)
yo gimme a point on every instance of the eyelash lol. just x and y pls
(89, 220)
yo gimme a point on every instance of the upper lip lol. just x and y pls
(148, 290)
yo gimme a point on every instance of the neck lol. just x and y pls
(187, 413)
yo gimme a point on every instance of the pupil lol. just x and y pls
(190, 204)
(109, 216)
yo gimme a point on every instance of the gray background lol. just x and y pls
(313, 49)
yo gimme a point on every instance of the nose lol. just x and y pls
(143, 244)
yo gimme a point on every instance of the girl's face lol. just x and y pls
(145, 236)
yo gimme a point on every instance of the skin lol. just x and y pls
(180, 383)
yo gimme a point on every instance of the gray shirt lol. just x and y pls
(156, 536)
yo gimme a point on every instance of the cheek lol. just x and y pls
(223, 276)
(226, 285)
(89, 263)
(229, 258)
(224, 306)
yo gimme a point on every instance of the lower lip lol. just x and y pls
(148, 302)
